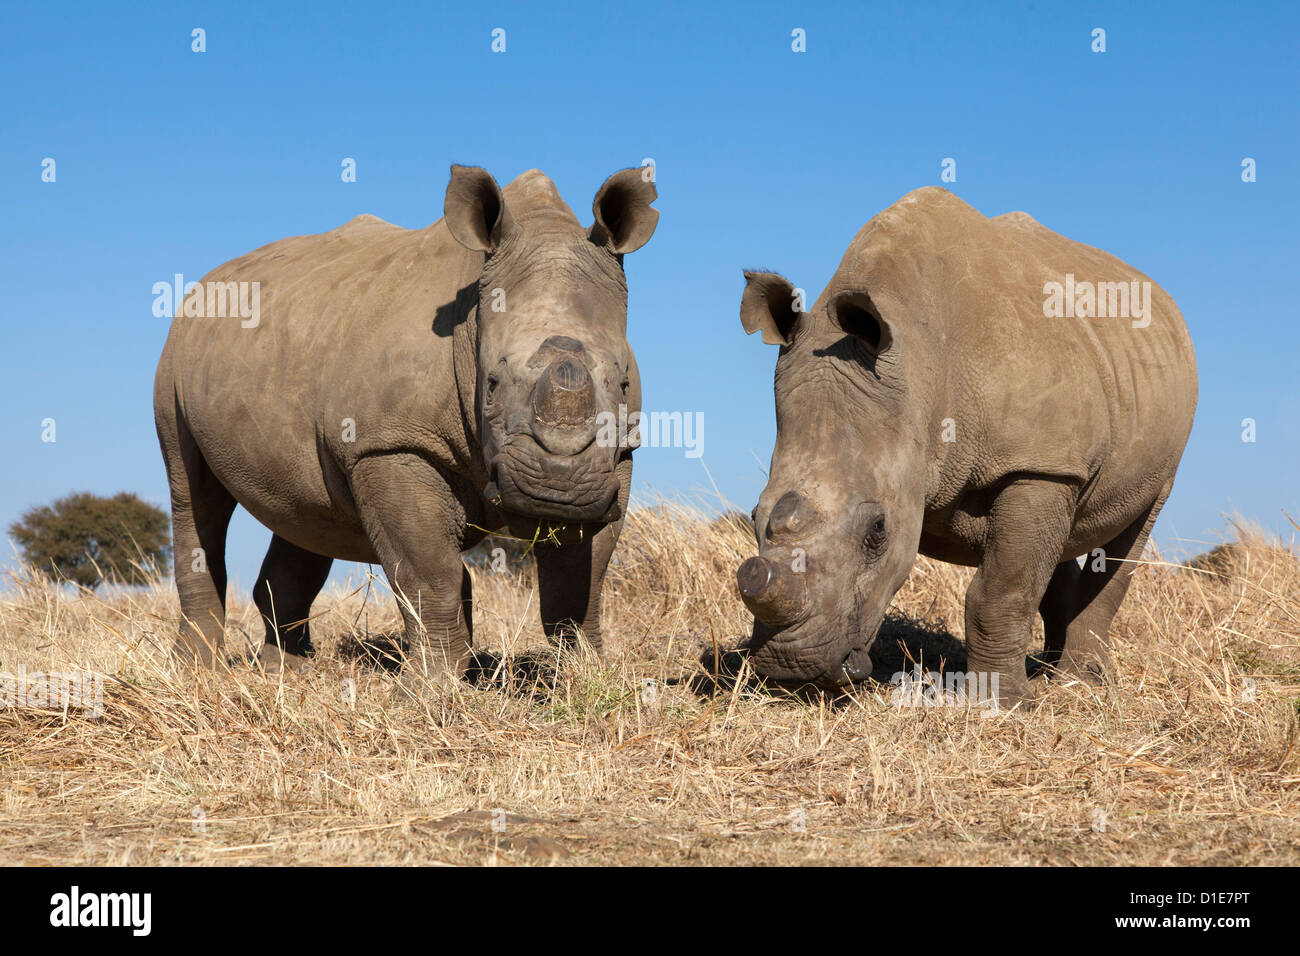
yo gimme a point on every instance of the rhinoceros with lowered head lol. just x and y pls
(982, 391)
(397, 394)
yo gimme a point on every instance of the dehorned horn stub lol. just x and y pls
(565, 394)
(774, 593)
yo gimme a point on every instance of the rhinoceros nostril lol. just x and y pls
(857, 664)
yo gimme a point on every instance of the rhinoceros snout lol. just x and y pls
(774, 592)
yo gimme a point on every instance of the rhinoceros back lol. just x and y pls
(1106, 402)
(351, 353)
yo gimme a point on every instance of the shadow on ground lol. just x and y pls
(903, 644)
(530, 674)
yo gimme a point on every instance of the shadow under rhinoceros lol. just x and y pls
(903, 644)
(532, 673)
(379, 652)
(529, 674)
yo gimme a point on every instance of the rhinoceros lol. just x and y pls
(397, 394)
(945, 396)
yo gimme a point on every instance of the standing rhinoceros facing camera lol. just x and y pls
(400, 391)
(984, 392)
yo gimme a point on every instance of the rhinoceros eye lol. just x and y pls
(876, 535)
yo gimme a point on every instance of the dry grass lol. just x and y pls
(1190, 759)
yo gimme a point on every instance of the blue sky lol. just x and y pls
(173, 161)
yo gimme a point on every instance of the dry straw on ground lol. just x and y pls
(1190, 759)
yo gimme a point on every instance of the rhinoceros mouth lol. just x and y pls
(535, 484)
(813, 651)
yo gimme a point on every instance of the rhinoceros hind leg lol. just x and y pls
(1028, 524)
(201, 510)
(287, 584)
(1086, 651)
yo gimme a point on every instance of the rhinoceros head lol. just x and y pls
(552, 355)
(839, 522)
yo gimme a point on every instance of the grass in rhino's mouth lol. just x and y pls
(545, 532)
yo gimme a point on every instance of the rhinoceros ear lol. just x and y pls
(855, 314)
(475, 211)
(770, 305)
(624, 220)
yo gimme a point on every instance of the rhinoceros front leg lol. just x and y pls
(1028, 525)
(570, 577)
(415, 524)
(569, 582)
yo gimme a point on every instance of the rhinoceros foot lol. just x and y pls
(274, 660)
(1091, 669)
(417, 684)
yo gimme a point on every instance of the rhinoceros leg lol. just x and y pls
(569, 580)
(201, 510)
(1028, 524)
(287, 584)
(1057, 609)
(415, 525)
(1085, 652)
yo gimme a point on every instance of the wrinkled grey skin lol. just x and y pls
(1065, 434)
(403, 391)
